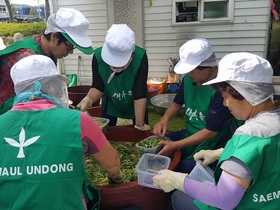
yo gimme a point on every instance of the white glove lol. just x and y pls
(115, 178)
(144, 127)
(169, 180)
(207, 157)
(85, 104)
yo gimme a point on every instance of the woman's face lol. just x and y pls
(240, 109)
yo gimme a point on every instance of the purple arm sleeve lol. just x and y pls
(226, 195)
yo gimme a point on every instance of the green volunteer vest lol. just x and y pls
(28, 43)
(41, 163)
(197, 102)
(118, 93)
(259, 155)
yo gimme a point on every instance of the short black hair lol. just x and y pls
(59, 35)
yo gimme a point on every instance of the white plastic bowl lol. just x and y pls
(104, 122)
(153, 150)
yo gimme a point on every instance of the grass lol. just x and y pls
(175, 124)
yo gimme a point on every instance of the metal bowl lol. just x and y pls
(162, 101)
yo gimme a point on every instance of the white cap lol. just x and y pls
(243, 67)
(194, 53)
(118, 46)
(73, 25)
(34, 67)
(2, 45)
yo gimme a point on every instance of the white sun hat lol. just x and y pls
(249, 74)
(118, 46)
(243, 66)
(36, 77)
(195, 52)
(73, 25)
(34, 67)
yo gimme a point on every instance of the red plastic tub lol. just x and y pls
(77, 93)
(153, 90)
(120, 196)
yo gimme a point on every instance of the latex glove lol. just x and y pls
(85, 104)
(169, 180)
(144, 127)
(115, 178)
(207, 157)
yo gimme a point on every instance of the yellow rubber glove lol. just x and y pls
(85, 104)
(169, 180)
(115, 178)
(207, 157)
(144, 127)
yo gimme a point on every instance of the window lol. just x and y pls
(201, 11)
(2, 10)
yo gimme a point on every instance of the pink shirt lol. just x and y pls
(92, 136)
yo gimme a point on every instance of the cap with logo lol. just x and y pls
(118, 46)
(73, 25)
(195, 52)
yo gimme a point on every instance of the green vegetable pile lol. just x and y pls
(129, 156)
(99, 122)
(150, 143)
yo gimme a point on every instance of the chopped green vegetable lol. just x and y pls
(150, 143)
(129, 156)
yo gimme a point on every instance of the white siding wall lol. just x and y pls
(95, 12)
(248, 32)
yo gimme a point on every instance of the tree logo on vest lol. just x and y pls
(22, 142)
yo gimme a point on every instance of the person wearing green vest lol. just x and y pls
(209, 123)
(246, 176)
(65, 31)
(120, 71)
(43, 144)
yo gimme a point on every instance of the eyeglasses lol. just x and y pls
(69, 47)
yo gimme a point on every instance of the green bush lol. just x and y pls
(27, 29)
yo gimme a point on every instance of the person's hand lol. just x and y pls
(85, 104)
(143, 127)
(207, 157)
(169, 180)
(115, 178)
(168, 147)
(160, 128)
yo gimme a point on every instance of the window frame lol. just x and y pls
(201, 20)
